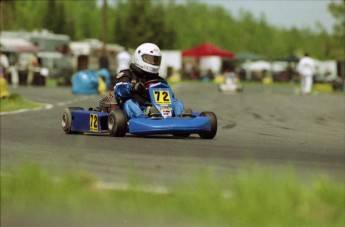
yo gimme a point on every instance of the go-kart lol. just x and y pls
(109, 117)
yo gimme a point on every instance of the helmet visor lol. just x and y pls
(152, 60)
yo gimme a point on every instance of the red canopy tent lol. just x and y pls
(207, 49)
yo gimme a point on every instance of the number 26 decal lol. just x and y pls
(94, 122)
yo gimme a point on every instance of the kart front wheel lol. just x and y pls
(66, 121)
(213, 119)
(117, 123)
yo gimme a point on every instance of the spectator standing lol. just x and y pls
(4, 65)
(306, 69)
(33, 67)
(208, 76)
(14, 75)
(123, 60)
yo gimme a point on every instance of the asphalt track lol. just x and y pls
(270, 127)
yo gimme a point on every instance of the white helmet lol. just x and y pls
(148, 57)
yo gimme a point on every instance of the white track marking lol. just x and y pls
(46, 106)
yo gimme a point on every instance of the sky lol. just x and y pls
(283, 13)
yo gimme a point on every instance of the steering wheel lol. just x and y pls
(154, 81)
(144, 96)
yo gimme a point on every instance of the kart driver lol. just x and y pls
(130, 89)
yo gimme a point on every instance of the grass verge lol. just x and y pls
(16, 102)
(254, 198)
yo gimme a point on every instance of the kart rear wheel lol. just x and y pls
(66, 121)
(213, 118)
(117, 123)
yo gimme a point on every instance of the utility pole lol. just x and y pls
(104, 26)
(103, 60)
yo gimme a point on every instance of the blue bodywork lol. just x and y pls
(146, 126)
(89, 121)
(97, 122)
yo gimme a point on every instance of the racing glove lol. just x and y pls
(138, 88)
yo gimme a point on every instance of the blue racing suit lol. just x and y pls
(134, 104)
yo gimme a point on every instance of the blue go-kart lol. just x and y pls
(110, 118)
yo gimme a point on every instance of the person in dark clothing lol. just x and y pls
(130, 90)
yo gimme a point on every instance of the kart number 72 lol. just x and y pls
(94, 122)
(162, 96)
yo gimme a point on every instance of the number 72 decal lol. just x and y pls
(162, 96)
(94, 122)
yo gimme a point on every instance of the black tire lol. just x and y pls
(117, 123)
(181, 134)
(66, 120)
(213, 118)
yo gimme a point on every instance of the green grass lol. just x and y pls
(253, 198)
(16, 102)
(52, 82)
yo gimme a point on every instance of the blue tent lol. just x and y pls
(86, 81)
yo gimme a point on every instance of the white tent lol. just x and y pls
(260, 66)
(172, 59)
(17, 44)
(279, 66)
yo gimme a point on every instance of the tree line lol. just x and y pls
(173, 25)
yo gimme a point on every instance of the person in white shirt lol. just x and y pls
(306, 69)
(123, 60)
(4, 63)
